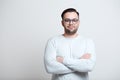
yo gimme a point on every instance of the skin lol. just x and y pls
(72, 28)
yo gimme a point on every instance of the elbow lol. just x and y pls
(53, 72)
(90, 68)
(85, 69)
(49, 71)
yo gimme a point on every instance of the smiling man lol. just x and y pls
(69, 56)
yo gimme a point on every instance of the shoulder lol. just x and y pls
(55, 38)
(84, 37)
(87, 39)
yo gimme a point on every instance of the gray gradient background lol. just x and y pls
(26, 25)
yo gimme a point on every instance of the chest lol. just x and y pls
(71, 49)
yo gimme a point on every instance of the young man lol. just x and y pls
(69, 56)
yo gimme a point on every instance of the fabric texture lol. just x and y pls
(71, 49)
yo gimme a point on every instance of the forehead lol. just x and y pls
(70, 15)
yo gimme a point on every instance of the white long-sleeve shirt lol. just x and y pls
(71, 49)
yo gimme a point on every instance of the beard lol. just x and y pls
(69, 32)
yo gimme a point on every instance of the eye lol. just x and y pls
(75, 20)
(67, 20)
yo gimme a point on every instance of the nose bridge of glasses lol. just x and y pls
(70, 21)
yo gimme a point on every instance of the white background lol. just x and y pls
(26, 25)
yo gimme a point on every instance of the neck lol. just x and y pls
(70, 36)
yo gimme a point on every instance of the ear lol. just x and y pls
(62, 22)
(79, 22)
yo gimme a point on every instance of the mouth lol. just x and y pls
(71, 27)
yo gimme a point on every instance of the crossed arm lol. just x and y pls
(61, 65)
(85, 56)
(83, 64)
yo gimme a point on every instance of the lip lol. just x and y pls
(71, 27)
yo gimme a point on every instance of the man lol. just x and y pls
(69, 56)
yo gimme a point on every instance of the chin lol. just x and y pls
(70, 32)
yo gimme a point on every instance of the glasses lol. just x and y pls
(71, 20)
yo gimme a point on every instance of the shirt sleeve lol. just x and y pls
(51, 65)
(83, 65)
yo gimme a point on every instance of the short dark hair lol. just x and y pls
(69, 10)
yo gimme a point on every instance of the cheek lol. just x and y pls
(77, 25)
(65, 25)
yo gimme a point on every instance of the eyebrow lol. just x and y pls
(72, 18)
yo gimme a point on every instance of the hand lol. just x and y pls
(59, 59)
(86, 56)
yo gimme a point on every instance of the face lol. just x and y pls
(70, 23)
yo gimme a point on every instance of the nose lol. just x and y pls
(71, 22)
